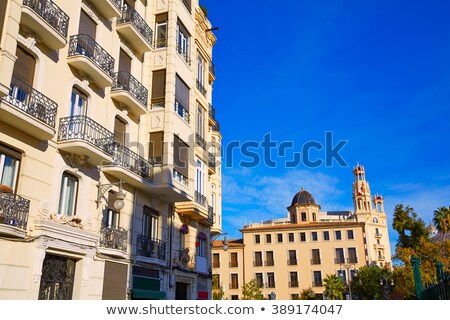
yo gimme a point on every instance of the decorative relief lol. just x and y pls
(161, 4)
(70, 221)
(156, 122)
(159, 60)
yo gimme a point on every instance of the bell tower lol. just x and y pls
(362, 199)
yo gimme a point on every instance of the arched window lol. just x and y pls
(68, 195)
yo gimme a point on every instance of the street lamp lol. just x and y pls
(384, 281)
(119, 204)
(347, 266)
(224, 242)
(273, 296)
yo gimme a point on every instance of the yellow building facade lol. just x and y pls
(110, 180)
(288, 255)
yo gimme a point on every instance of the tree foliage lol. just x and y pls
(441, 220)
(217, 291)
(308, 294)
(366, 283)
(334, 287)
(252, 291)
(411, 229)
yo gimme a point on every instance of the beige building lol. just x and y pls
(110, 186)
(288, 255)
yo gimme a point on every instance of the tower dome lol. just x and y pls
(304, 198)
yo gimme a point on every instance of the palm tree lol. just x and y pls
(441, 220)
(334, 287)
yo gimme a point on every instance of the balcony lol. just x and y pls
(216, 127)
(196, 209)
(234, 264)
(339, 260)
(292, 262)
(184, 53)
(270, 284)
(210, 218)
(108, 8)
(201, 88)
(14, 211)
(212, 72)
(234, 285)
(211, 162)
(83, 136)
(127, 90)
(134, 30)
(113, 241)
(200, 199)
(270, 263)
(29, 110)
(181, 111)
(293, 284)
(315, 261)
(257, 263)
(153, 249)
(212, 114)
(317, 283)
(200, 141)
(352, 260)
(88, 57)
(47, 20)
(129, 166)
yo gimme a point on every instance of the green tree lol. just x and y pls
(411, 229)
(441, 220)
(308, 294)
(334, 287)
(252, 291)
(217, 291)
(366, 283)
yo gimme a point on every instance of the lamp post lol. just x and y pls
(347, 267)
(273, 296)
(384, 282)
(224, 242)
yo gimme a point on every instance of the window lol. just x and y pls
(78, 103)
(350, 235)
(295, 296)
(158, 88)
(315, 256)
(303, 216)
(161, 31)
(292, 258)
(270, 280)
(156, 147)
(201, 247)
(339, 252)
(24, 67)
(124, 65)
(200, 178)
(302, 236)
(68, 195)
(337, 235)
(234, 281)
(216, 260)
(257, 238)
(200, 69)
(317, 278)
(293, 218)
(314, 236)
(234, 260)
(9, 167)
(199, 124)
(259, 279)
(326, 236)
(181, 156)
(269, 259)
(293, 279)
(291, 237)
(111, 216)
(352, 255)
(182, 99)
(120, 129)
(150, 223)
(258, 259)
(234, 297)
(87, 25)
(182, 240)
(279, 237)
(314, 216)
(183, 42)
(268, 238)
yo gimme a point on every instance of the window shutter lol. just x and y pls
(24, 66)
(119, 131)
(87, 25)
(124, 62)
(115, 281)
(159, 86)
(182, 93)
(181, 156)
(156, 146)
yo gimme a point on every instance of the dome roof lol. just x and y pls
(303, 197)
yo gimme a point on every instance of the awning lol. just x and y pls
(201, 235)
(202, 295)
(184, 228)
(148, 294)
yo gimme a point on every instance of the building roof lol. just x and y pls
(303, 226)
(303, 197)
(231, 243)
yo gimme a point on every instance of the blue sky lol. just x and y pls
(374, 73)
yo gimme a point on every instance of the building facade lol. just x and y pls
(288, 255)
(110, 184)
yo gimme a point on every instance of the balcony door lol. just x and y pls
(150, 223)
(23, 75)
(87, 25)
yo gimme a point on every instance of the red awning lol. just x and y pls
(201, 235)
(184, 229)
(202, 295)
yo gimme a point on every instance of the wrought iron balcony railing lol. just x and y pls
(216, 127)
(200, 199)
(32, 102)
(51, 13)
(116, 3)
(150, 248)
(210, 215)
(84, 45)
(182, 112)
(114, 238)
(211, 160)
(125, 81)
(130, 15)
(212, 112)
(352, 260)
(270, 263)
(257, 263)
(315, 261)
(293, 284)
(339, 260)
(200, 141)
(317, 283)
(86, 129)
(14, 210)
(201, 88)
(270, 284)
(130, 160)
(292, 262)
(184, 53)
(212, 68)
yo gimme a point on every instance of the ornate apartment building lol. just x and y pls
(288, 255)
(110, 184)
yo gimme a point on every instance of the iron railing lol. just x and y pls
(51, 13)
(84, 45)
(125, 81)
(339, 260)
(116, 3)
(216, 127)
(212, 112)
(182, 112)
(293, 284)
(130, 15)
(200, 141)
(130, 160)
(86, 129)
(270, 263)
(270, 284)
(114, 238)
(315, 261)
(184, 53)
(257, 263)
(233, 264)
(211, 161)
(317, 283)
(201, 88)
(212, 68)
(14, 210)
(199, 198)
(352, 260)
(150, 248)
(292, 262)
(32, 102)
(210, 215)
